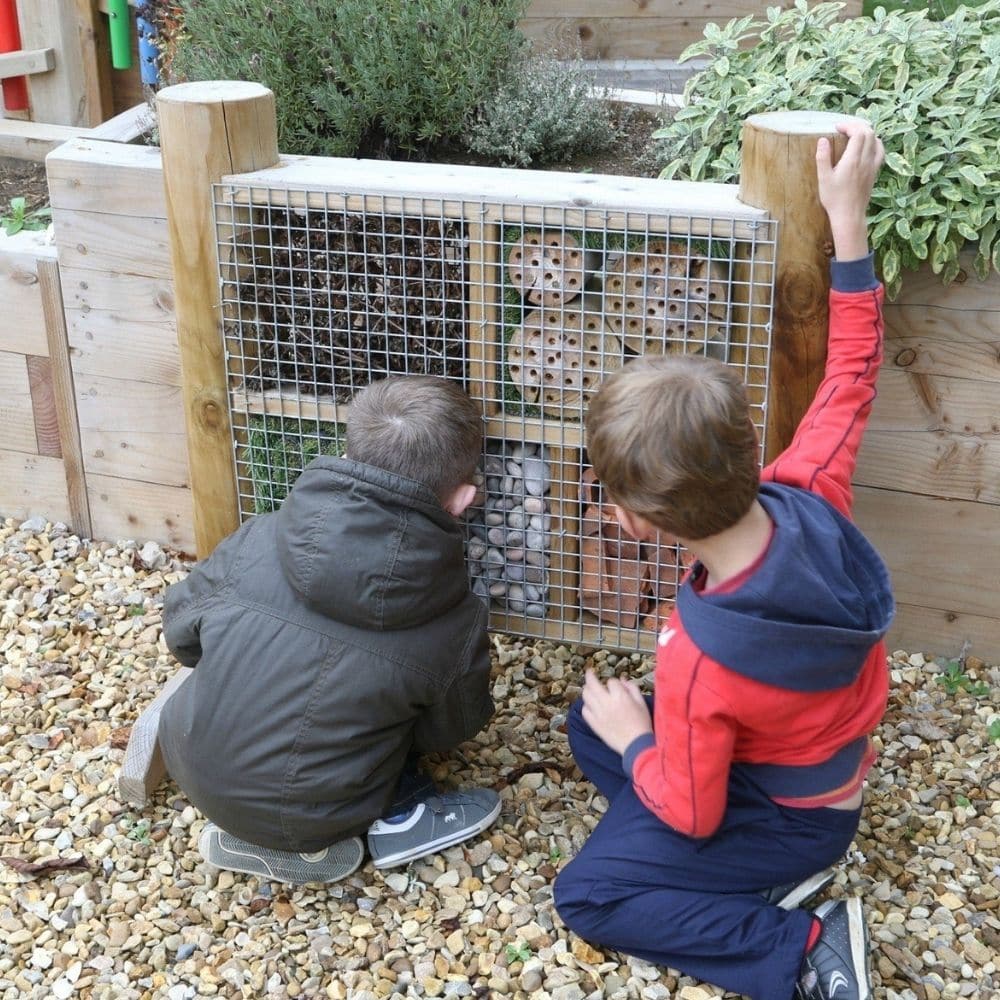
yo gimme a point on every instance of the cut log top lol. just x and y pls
(798, 122)
(212, 92)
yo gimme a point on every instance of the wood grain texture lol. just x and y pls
(121, 325)
(132, 430)
(43, 406)
(22, 330)
(121, 243)
(64, 398)
(32, 486)
(88, 175)
(124, 508)
(940, 552)
(944, 632)
(75, 92)
(16, 414)
(779, 173)
(207, 131)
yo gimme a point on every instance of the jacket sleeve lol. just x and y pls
(184, 602)
(683, 776)
(466, 704)
(824, 450)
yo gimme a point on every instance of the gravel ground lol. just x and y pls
(139, 915)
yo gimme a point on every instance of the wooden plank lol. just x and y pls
(16, 416)
(23, 328)
(120, 243)
(939, 551)
(32, 486)
(944, 632)
(112, 178)
(484, 314)
(500, 185)
(26, 62)
(615, 37)
(71, 94)
(126, 126)
(933, 463)
(32, 141)
(919, 402)
(132, 430)
(64, 397)
(43, 406)
(125, 508)
(639, 10)
(121, 325)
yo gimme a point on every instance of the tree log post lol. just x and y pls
(208, 130)
(778, 174)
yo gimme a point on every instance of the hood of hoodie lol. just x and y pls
(368, 547)
(809, 615)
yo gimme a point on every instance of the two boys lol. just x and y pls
(727, 794)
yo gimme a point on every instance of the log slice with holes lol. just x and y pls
(558, 357)
(667, 300)
(547, 269)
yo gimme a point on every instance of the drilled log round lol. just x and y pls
(558, 357)
(666, 301)
(547, 269)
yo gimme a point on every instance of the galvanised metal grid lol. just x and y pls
(528, 307)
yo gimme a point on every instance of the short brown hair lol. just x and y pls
(671, 439)
(418, 426)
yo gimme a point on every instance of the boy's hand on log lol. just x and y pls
(617, 712)
(844, 189)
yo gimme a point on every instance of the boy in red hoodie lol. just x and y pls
(741, 779)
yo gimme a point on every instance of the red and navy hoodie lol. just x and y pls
(781, 672)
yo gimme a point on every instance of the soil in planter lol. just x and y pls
(22, 179)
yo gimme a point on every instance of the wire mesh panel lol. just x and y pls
(529, 307)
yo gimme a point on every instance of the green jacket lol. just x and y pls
(331, 638)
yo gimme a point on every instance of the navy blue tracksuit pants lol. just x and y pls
(640, 887)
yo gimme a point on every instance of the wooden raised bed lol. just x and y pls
(927, 484)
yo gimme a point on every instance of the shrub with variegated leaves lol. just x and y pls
(931, 89)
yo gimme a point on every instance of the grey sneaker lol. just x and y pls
(836, 968)
(794, 894)
(436, 823)
(328, 865)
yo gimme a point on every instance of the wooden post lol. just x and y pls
(77, 91)
(779, 175)
(207, 130)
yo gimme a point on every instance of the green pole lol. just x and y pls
(121, 36)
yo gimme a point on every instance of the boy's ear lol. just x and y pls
(635, 525)
(460, 499)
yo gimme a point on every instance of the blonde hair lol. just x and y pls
(418, 426)
(671, 439)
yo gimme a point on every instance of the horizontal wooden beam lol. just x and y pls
(35, 140)
(26, 62)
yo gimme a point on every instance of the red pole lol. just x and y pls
(15, 88)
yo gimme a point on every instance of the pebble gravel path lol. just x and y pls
(100, 901)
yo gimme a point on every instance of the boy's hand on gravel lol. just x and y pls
(617, 711)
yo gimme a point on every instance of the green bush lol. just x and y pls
(930, 89)
(543, 111)
(352, 76)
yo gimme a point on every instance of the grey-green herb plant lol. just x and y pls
(352, 76)
(543, 111)
(931, 89)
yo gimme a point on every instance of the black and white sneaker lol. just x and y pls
(328, 865)
(836, 967)
(793, 894)
(436, 823)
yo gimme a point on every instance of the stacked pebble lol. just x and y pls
(509, 531)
